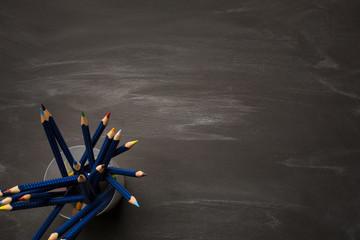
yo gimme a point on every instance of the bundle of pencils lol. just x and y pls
(78, 185)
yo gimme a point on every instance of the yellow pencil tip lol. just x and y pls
(113, 129)
(3, 207)
(135, 141)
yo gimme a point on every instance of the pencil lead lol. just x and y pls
(144, 174)
(1, 202)
(7, 191)
(82, 114)
(22, 199)
(135, 141)
(43, 107)
(41, 111)
(5, 207)
(108, 115)
(113, 129)
(136, 204)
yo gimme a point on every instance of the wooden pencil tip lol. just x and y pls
(108, 115)
(113, 129)
(82, 114)
(41, 111)
(119, 132)
(43, 107)
(53, 236)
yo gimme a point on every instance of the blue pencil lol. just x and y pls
(126, 172)
(43, 195)
(84, 189)
(15, 197)
(46, 224)
(131, 199)
(104, 148)
(53, 144)
(59, 137)
(109, 191)
(87, 139)
(41, 203)
(72, 233)
(124, 147)
(111, 149)
(99, 130)
(108, 157)
(52, 183)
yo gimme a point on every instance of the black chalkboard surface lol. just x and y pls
(247, 112)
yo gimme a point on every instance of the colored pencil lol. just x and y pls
(53, 144)
(15, 197)
(99, 169)
(124, 147)
(72, 233)
(52, 183)
(107, 157)
(46, 224)
(131, 199)
(41, 203)
(43, 195)
(84, 189)
(111, 149)
(109, 191)
(104, 147)
(126, 172)
(87, 139)
(99, 130)
(59, 137)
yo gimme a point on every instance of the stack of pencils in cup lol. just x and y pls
(90, 180)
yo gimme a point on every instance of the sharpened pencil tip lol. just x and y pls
(41, 111)
(108, 115)
(113, 129)
(7, 191)
(118, 133)
(82, 114)
(3, 208)
(43, 107)
(144, 174)
(135, 141)
(22, 199)
(136, 204)
(1, 202)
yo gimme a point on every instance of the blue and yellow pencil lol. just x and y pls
(41, 203)
(124, 147)
(87, 139)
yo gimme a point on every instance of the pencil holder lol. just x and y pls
(52, 172)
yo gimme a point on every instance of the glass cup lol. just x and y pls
(52, 172)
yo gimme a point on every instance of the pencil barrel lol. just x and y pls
(55, 149)
(52, 183)
(88, 145)
(118, 187)
(123, 171)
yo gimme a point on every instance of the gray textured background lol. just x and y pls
(247, 112)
